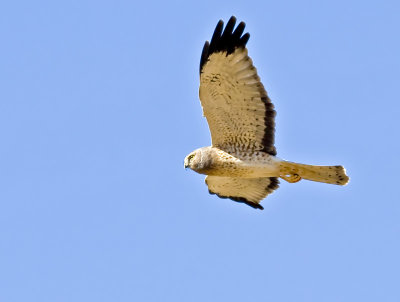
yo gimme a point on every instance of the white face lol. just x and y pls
(199, 160)
(189, 160)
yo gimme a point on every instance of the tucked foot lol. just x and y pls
(292, 178)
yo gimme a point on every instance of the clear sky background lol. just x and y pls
(99, 106)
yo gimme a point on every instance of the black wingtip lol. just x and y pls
(217, 34)
(204, 54)
(243, 40)
(273, 185)
(241, 200)
(225, 40)
(249, 203)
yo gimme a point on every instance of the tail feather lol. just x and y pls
(328, 174)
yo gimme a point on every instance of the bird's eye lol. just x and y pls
(190, 157)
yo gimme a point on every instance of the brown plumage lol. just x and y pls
(241, 164)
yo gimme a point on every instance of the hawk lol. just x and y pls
(241, 163)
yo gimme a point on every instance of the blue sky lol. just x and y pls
(95, 95)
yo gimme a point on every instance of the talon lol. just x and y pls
(291, 178)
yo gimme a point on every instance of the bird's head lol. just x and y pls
(199, 160)
(192, 160)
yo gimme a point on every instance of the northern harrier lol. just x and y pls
(241, 164)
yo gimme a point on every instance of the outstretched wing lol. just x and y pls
(239, 113)
(247, 190)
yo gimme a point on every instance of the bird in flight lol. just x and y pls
(241, 164)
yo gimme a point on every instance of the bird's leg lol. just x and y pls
(292, 178)
(288, 173)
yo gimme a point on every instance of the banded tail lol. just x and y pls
(293, 172)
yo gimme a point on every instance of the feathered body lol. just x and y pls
(216, 162)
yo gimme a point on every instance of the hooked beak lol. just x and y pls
(185, 165)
